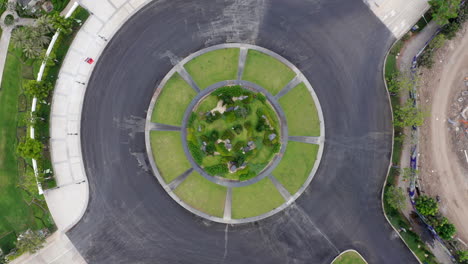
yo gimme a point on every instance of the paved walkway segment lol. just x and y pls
(398, 15)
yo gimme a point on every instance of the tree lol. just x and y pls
(444, 10)
(30, 148)
(65, 25)
(445, 229)
(30, 40)
(426, 205)
(399, 82)
(407, 173)
(44, 23)
(38, 89)
(395, 197)
(462, 256)
(30, 241)
(408, 115)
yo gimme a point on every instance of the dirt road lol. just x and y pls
(442, 172)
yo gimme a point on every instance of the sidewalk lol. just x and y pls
(67, 203)
(404, 65)
(398, 15)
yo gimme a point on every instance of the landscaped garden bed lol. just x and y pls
(234, 133)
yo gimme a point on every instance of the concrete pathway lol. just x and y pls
(398, 15)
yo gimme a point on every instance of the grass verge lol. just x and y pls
(255, 199)
(349, 257)
(214, 66)
(266, 71)
(18, 211)
(301, 113)
(295, 167)
(172, 101)
(202, 194)
(168, 154)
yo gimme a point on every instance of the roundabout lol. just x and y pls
(338, 46)
(218, 142)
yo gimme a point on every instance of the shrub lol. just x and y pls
(444, 10)
(228, 134)
(40, 90)
(30, 148)
(395, 197)
(426, 205)
(192, 118)
(450, 30)
(210, 118)
(407, 115)
(197, 153)
(30, 241)
(210, 149)
(462, 256)
(9, 20)
(238, 129)
(242, 112)
(219, 170)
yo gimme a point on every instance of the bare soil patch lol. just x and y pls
(444, 138)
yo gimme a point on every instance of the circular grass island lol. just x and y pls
(234, 133)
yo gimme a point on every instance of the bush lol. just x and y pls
(231, 91)
(40, 90)
(228, 134)
(407, 115)
(450, 30)
(210, 118)
(462, 256)
(197, 153)
(219, 170)
(9, 20)
(395, 197)
(444, 10)
(426, 205)
(238, 129)
(30, 148)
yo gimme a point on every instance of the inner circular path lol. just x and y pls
(225, 131)
(339, 46)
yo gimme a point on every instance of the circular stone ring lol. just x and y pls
(202, 170)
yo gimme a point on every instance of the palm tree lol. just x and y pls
(44, 23)
(30, 40)
(20, 37)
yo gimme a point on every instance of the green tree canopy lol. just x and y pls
(445, 229)
(444, 10)
(463, 256)
(408, 115)
(38, 89)
(30, 241)
(395, 197)
(30, 148)
(65, 25)
(426, 205)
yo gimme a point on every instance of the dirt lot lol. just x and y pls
(443, 167)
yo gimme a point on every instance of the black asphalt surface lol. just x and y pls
(338, 45)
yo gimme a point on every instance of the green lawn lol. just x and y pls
(255, 199)
(169, 154)
(16, 215)
(173, 101)
(203, 194)
(295, 167)
(266, 71)
(214, 66)
(349, 257)
(301, 113)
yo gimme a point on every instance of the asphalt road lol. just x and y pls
(338, 45)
